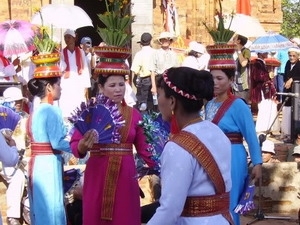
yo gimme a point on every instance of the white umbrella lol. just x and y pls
(247, 26)
(62, 16)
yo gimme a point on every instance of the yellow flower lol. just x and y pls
(36, 9)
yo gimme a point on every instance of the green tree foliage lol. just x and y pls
(291, 18)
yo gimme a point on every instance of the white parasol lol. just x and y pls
(62, 16)
(247, 26)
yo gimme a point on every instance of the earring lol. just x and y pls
(174, 125)
(230, 92)
(50, 98)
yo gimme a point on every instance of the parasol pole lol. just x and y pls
(9, 8)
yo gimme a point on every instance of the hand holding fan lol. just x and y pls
(8, 120)
(103, 116)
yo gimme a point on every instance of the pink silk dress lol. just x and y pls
(99, 208)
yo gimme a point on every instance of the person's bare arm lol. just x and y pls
(153, 89)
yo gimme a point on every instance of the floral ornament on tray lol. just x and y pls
(157, 134)
(42, 41)
(220, 35)
(101, 115)
(117, 20)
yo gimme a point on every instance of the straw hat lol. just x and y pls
(166, 35)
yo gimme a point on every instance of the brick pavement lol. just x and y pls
(245, 220)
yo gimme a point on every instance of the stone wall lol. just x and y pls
(19, 9)
(280, 187)
(193, 12)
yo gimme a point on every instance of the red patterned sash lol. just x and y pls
(224, 107)
(210, 205)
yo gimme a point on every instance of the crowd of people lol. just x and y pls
(207, 107)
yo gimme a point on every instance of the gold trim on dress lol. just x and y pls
(114, 164)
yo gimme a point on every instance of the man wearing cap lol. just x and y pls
(76, 77)
(296, 153)
(163, 58)
(268, 152)
(197, 57)
(141, 72)
(87, 47)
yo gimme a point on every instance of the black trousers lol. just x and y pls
(148, 211)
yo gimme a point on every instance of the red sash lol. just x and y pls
(79, 61)
(195, 147)
(224, 107)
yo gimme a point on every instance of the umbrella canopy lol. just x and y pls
(62, 16)
(247, 26)
(90, 32)
(16, 36)
(271, 42)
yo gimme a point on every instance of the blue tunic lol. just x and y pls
(237, 119)
(46, 180)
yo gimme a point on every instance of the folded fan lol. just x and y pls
(101, 115)
(246, 203)
(71, 177)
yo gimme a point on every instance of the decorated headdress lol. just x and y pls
(221, 53)
(47, 58)
(46, 65)
(176, 89)
(116, 35)
(221, 56)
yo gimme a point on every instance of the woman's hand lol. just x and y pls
(288, 84)
(256, 173)
(86, 143)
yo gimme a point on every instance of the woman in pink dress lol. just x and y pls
(110, 189)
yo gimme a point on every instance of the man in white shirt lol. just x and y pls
(141, 72)
(76, 76)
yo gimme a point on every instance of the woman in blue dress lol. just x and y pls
(233, 116)
(48, 133)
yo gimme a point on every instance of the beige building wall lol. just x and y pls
(149, 16)
(142, 10)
